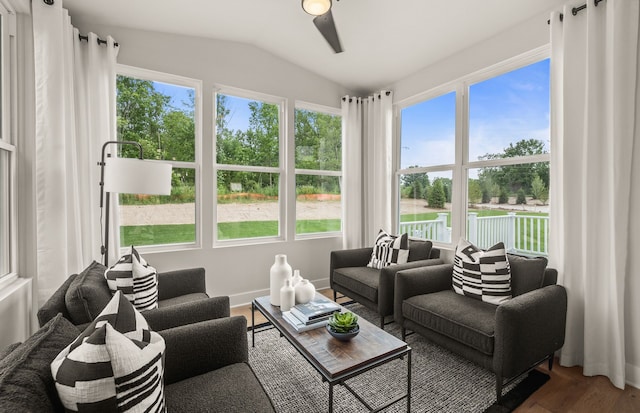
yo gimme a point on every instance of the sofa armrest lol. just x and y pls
(387, 281)
(358, 257)
(195, 349)
(187, 313)
(418, 281)
(181, 282)
(529, 327)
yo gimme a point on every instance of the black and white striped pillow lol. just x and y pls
(484, 275)
(137, 280)
(116, 364)
(389, 250)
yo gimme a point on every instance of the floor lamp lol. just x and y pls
(129, 176)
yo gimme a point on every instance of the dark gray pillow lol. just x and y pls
(419, 249)
(527, 274)
(26, 383)
(88, 294)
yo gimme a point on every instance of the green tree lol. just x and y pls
(415, 185)
(436, 197)
(537, 187)
(503, 198)
(521, 198)
(474, 191)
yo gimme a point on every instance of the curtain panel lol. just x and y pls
(367, 159)
(595, 125)
(75, 115)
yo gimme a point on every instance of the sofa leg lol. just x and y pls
(550, 362)
(335, 296)
(382, 323)
(404, 333)
(498, 388)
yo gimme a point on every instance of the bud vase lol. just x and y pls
(280, 271)
(305, 291)
(287, 296)
(296, 278)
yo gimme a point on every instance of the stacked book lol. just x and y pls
(314, 314)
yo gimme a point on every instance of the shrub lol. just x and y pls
(436, 197)
(503, 198)
(486, 196)
(521, 198)
(538, 188)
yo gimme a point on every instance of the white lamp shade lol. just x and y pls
(137, 176)
(316, 7)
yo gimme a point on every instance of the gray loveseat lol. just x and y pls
(373, 288)
(206, 369)
(509, 338)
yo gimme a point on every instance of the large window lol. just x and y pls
(161, 112)
(474, 160)
(249, 165)
(318, 143)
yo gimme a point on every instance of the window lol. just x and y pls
(249, 165)
(474, 160)
(8, 241)
(318, 143)
(162, 113)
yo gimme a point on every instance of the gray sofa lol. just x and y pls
(182, 299)
(509, 338)
(206, 369)
(373, 288)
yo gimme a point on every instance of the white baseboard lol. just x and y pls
(242, 299)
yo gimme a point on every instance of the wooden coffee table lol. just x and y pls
(338, 361)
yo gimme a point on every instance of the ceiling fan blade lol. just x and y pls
(327, 28)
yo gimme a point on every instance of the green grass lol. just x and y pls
(157, 234)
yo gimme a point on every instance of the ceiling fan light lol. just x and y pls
(316, 7)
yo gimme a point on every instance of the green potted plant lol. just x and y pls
(343, 326)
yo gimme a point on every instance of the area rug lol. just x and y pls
(441, 381)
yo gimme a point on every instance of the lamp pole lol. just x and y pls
(104, 249)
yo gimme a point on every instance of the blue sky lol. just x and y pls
(502, 110)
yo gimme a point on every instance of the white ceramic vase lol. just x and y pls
(296, 278)
(280, 271)
(305, 291)
(287, 296)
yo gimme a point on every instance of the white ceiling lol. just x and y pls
(384, 40)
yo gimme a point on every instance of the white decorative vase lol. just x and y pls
(280, 271)
(296, 278)
(287, 296)
(305, 291)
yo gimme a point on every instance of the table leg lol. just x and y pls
(409, 381)
(253, 325)
(330, 397)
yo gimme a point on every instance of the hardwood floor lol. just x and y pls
(566, 391)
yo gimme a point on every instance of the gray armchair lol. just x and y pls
(509, 339)
(373, 288)
(182, 299)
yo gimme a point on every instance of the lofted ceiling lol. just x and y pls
(383, 40)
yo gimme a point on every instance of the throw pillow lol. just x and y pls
(116, 364)
(87, 294)
(484, 275)
(136, 279)
(389, 250)
(26, 384)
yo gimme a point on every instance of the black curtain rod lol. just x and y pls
(387, 93)
(576, 10)
(100, 41)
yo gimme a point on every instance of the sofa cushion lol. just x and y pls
(527, 274)
(480, 274)
(419, 250)
(116, 364)
(219, 391)
(187, 298)
(87, 295)
(137, 280)
(362, 280)
(461, 318)
(389, 250)
(26, 384)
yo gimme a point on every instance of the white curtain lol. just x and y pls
(595, 127)
(367, 167)
(75, 115)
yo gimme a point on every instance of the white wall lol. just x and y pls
(242, 272)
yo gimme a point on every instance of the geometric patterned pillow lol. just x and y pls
(483, 275)
(116, 364)
(137, 280)
(389, 250)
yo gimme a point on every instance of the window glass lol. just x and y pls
(318, 204)
(428, 131)
(5, 211)
(318, 140)
(161, 117)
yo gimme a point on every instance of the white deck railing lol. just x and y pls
(522, 234)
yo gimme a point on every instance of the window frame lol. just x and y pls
(196, 165)
(316, 172)
(462, 165)
(280, 170)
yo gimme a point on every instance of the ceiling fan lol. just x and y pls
(324, 21)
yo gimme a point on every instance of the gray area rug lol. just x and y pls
(441, 380)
